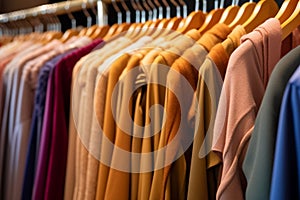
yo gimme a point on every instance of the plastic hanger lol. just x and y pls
(211, 19)
(229, 13)
(243, 15)
(291, 23)
(263, 10)
(286, 10)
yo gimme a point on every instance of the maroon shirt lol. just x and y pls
(51, 169)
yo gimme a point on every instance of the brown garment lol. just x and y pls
(171, 178)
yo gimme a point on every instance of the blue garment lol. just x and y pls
(36, 125)
(286, 169)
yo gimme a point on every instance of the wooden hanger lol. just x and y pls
(286, 10)
(136, 31)
(291, 23)
(51, 35)
(90, 31)
(174, 23)
(121, 28)
(155, 25)
(100, 32)
(171, 27)
(83, 31)
(229, 14)
(68, 34)
(263, 10)
(141, 30)
(243, 15)
(212, 18)
(194, 20)
(111, 31)
(161, 28)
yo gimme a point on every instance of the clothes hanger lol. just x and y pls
(286, 10)
(243, 15)
(100, 32)
(229, 13)
(87, 15)
(184, 9)
(90, 29)
(70, 15)
(112, 30)
(160, 9)
(194, 20)
(68, 34)
(263, 10)
(177, 6)
(122, 26)
(135, 28)
(127, 11)
(154, 10)
(168, 9)
(174, 23)
(94, 11)
(143, 11)
(291, 23)
(148, 9)
(211, 19)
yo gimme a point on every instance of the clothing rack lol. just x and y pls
(57, 9)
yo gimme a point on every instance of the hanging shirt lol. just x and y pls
(169, 182)
(285, 177)
(203, 177)
(50, 178)
(247, 75)
(38, 111)
(18, 124)
(87, 184)
(109, 126)
(7, 56)
(258, 163)
(156, 95)
(28, 84)
(90, 61)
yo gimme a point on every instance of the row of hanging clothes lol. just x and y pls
(194, 105)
